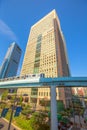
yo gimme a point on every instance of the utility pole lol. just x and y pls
(13, 107)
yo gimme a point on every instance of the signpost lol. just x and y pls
(4, 112)
(18, 110)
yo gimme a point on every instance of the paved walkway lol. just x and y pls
(5, 122)
(78, 121)
(85, 113)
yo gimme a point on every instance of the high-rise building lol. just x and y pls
(46, 53)
(11, 61)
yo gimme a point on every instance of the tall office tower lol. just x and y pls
(11, 61)
(46, 53)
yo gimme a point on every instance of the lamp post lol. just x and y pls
(13, 107)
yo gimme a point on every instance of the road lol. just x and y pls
(6, 125)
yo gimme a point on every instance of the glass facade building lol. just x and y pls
(46, 53)
(11, 61)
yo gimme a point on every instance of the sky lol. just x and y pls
(17, 17)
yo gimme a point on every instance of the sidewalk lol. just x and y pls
(17, 128)
(79, 121)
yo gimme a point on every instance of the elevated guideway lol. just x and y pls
(43, 82)
(20, 82)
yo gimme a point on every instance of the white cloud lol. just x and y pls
(6, 30)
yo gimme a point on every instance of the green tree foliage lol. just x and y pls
(38, 122)
(4, 95)
(44, 103)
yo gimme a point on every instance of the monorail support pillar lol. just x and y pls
(54, 121)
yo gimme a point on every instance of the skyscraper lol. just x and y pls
(11, 61)
(46, 53)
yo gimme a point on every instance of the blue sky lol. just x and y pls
(17, 16)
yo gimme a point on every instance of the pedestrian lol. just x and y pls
(85, 121)
(59, 127)
(71, 126)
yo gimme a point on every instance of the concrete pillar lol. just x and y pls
(38, 101)
(54, 121)
(37, 104)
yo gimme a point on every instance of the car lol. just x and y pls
(1, 125)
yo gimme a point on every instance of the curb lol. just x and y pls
(12, 124)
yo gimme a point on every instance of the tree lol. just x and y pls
(38, 122)
(4, 95)
(44, 103)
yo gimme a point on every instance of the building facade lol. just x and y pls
(79, 91)
(46, 53)
(11, 61)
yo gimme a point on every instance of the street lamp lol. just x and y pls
(13, 107)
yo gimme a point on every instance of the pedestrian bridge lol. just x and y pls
(26, 81)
